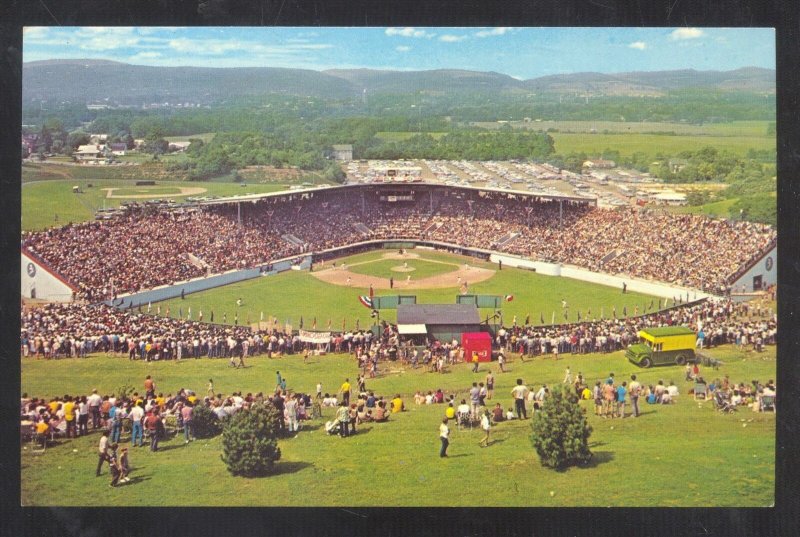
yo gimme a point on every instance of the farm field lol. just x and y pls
(651, 144)
(649, 461)
(734, 128)
(52, 202)
(293, 294)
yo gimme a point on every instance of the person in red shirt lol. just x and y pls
(149, 387)
(151, 422)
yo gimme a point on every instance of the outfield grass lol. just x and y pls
(681, 455)
(52, 203)
(394, 267)
(293, 294)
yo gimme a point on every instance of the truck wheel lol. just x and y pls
(680, 359)
(646, 363)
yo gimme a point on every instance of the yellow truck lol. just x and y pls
(663, 345)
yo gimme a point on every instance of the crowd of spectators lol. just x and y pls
(144, 250)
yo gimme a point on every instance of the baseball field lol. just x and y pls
(331, 293)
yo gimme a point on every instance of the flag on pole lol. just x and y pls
(262, 316)
(200, 316)
(365, 301)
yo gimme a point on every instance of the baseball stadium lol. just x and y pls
(416, 297)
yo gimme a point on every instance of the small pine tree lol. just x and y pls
(249, 440)
(560, 430)
(205, 423)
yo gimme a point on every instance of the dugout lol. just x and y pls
(444, 322)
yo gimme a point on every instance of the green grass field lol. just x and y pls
(652, 144)
(685, 454)
(52, 202)
(734, 128)
(393, 267)
(293, 294)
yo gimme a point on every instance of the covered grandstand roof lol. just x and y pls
(437, 314)
(423, 186)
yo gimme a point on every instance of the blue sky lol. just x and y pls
(518, 52)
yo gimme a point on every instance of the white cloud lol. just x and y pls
(149, 30)
(686, 33)
(408, 32)
(35, 32)
(638, 45)
(145, 56)
(402, 48)
(494, 31)
(449, 38)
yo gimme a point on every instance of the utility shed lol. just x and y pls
(444, 322)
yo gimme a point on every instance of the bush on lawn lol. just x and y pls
(249, 440)
(205, 423)
(560, 430)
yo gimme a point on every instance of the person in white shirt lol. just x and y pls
(486, 426)
(94, 401)
(444, 435)
(520, 393)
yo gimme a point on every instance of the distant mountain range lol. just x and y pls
(99, 80)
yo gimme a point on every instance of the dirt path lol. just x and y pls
(185, 191)
(464, 273)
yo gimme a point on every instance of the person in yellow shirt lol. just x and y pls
(53, 406)
(160, 400)
(42, 430)
(450, 412)
(397, 404)
(69, 416)
(345, 391)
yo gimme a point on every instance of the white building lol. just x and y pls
(39, 281)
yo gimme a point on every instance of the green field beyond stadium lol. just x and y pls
(295, 294)
(686, 454)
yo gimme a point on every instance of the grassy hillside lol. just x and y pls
(685, 454)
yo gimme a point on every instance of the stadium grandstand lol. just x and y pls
(146, 247)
